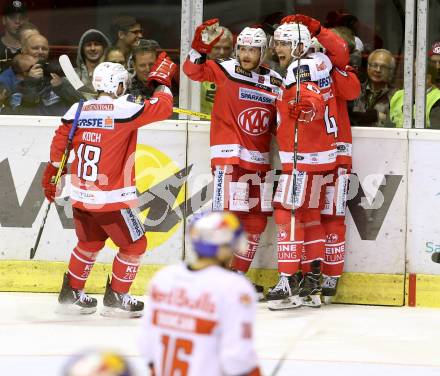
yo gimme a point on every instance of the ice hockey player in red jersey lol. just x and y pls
(103, 190)
(243, 119)
(346, 87)
(200, 317)
(315, 154)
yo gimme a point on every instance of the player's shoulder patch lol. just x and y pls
(276, 81)
(239, 70)
(135, 99)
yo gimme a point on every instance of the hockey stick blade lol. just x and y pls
(75, 81)
(436, 257)
(70, 73)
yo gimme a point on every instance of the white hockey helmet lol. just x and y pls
(107, 77)
(294, 33)
(252, 37)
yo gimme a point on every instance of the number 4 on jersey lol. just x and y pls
(330, 123)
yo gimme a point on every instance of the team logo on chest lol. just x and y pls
(254, 121)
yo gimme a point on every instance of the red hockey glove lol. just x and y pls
(303, 111)
(47, 182)
(313, 25)
(206, 36)
(162, 71)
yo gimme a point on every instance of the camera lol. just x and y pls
(51, 67)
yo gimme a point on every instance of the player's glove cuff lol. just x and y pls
(196, 57)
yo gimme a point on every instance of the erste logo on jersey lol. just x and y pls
(106, 122)
(255, 96)
(254, 121)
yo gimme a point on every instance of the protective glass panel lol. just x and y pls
(35, 34)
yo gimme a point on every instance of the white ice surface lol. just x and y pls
(334, 340)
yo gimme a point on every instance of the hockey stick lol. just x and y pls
(295, 146)
(58, 175)
(75, 81)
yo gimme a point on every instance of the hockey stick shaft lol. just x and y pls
(295, 145)
(58, 175)
(75, 81)
(201, 115)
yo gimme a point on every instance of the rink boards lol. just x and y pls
(392, 218)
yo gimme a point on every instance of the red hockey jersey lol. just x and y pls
(102, 173)
(316, 140)
(244, 113)
(347, 87)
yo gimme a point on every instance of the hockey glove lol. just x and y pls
(206, 36)
(48, 180)
(303, 111)
(162, 71)
(313, 25)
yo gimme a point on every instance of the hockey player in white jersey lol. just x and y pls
(200, 317)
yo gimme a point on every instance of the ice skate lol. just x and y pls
(120, 305)
(285, 294)
(329, 286)
(73, 301)
(260, 292)
(310, 290)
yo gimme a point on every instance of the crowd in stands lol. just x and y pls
(30, 84)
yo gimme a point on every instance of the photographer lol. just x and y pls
(45, 91)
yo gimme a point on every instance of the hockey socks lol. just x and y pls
(242, 262)
(80, 267)
(333, 264)
(289, 252)
(314, 246)
(123, 274)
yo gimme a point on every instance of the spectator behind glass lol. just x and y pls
(126, 32)
(14, 15)
(91, 47)
(372, 108)
(144, 57)
(349, 37)
(432, 112)
(115, 55)
(20, 66)
(44, 92)
(26, 30)
(221, 50)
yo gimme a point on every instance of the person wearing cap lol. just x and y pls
(14, 15)
(126, 32)
(91, 47)
(432, 112)
(44, 90)
(144, 56)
